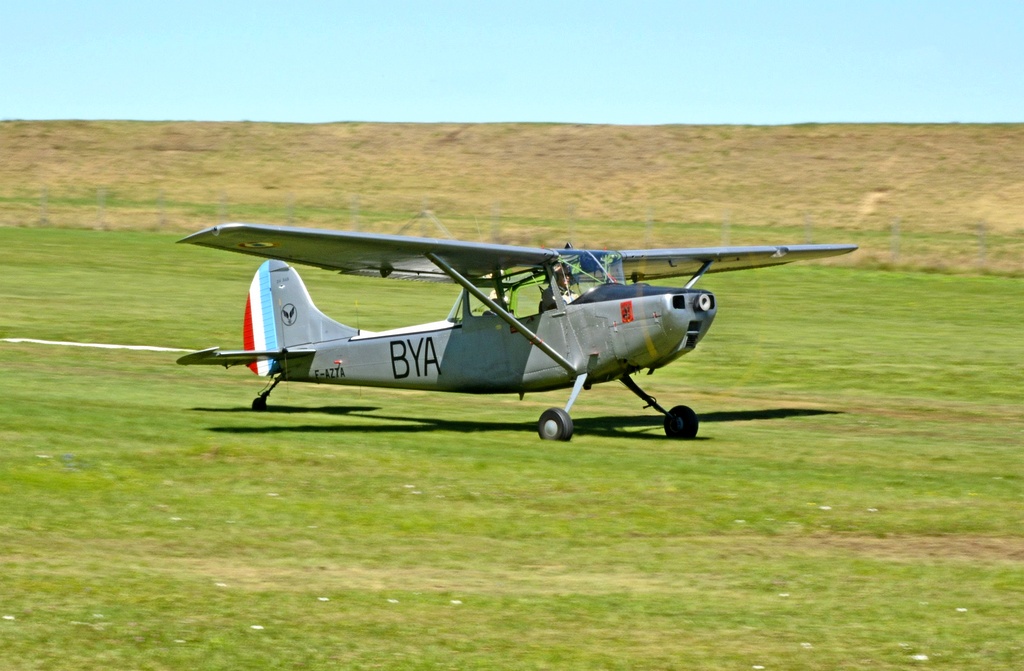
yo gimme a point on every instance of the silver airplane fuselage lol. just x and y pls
(483, 354)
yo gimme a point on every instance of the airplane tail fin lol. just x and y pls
(280, 315)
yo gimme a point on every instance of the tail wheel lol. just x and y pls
(681, 422)
(555, 424)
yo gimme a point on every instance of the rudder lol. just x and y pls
(279, 314)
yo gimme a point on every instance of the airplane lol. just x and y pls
(528, 319)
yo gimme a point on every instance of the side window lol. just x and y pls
(526, 300)
(476, 308)
(469, 306)
(520, 294)
(455, 316)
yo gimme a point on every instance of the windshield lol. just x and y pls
(591, 269)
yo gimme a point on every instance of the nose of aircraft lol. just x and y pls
(689, 319)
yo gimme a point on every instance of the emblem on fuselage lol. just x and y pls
(626, 308)
(289, 314)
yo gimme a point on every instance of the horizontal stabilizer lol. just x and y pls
(227, 358)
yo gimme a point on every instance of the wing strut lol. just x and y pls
(700, 273)
(505, 315)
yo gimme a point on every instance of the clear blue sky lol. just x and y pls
(589, 62)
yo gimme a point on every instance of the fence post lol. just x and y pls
(650, 225)
(572, 222)
(894, 242)
(496, 222)
(981, 244)
(43, 220)
(162, 220)
(101, 201)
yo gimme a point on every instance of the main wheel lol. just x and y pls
(681, 422)
(555, 424)
(259, 404)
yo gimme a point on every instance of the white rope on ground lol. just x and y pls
(146, 348)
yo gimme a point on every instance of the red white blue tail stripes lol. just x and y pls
(259, 332)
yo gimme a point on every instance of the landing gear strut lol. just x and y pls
(259, 404)
(680, 422)
(555, 423)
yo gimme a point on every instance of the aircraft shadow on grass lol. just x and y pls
(295, 410)
(617, 426)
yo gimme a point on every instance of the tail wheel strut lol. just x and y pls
(259, 404)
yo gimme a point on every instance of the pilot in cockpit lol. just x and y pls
(564, 280)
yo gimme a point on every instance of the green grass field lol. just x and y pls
(855, 499)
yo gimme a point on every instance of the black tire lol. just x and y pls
(555, 424)
(681, 422)
(259, 404)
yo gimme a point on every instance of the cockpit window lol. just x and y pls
(522, 291)
(518, 292)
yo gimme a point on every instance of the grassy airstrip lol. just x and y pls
(854, 500)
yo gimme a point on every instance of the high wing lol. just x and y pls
(652, 264)
(373, 254)
(405, 257)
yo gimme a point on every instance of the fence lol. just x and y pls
(972, 246)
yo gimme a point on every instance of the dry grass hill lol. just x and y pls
(938, 196)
